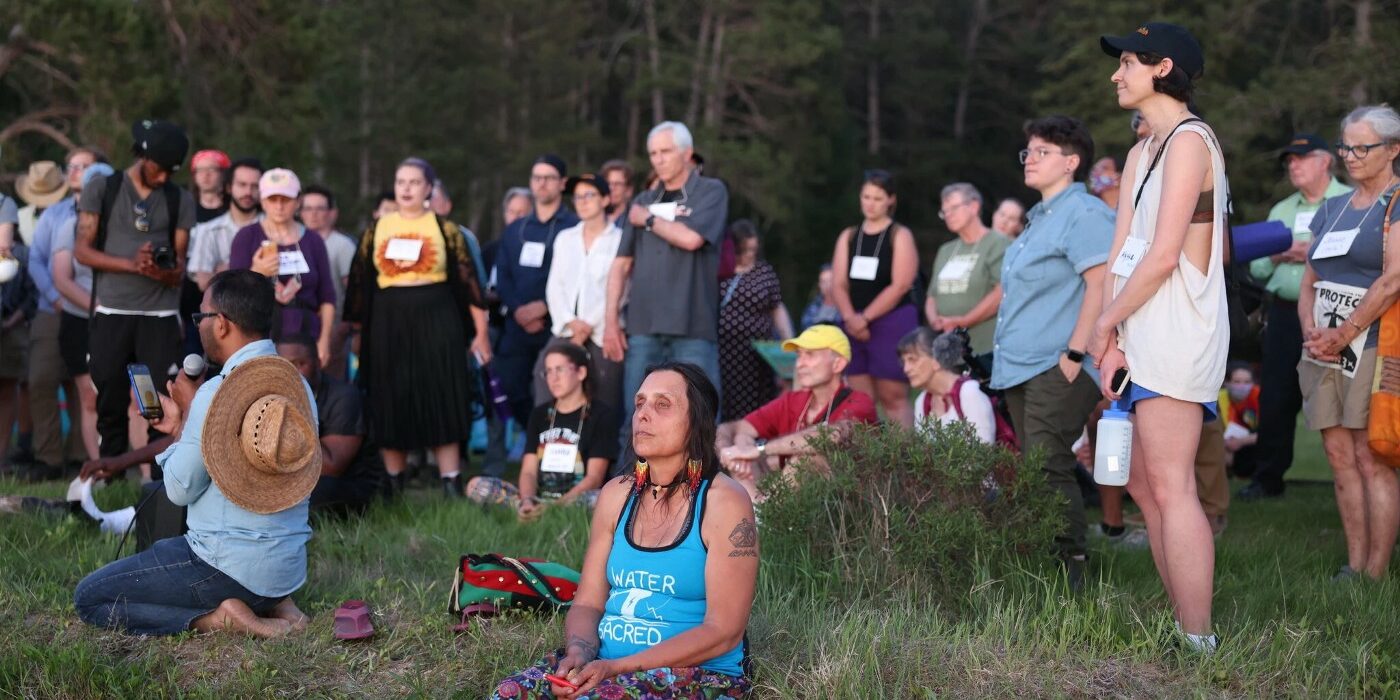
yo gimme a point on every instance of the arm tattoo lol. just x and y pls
(744, 538)
(585, 647)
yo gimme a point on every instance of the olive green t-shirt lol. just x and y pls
(962, 275)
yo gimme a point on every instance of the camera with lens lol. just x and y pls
(164, 257)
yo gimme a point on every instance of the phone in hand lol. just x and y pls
(147, 400)
(560, 680)
(1120, 381)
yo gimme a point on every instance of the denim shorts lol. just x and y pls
(159, 591)
(1135, 393)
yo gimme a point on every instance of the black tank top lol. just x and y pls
(880, 246)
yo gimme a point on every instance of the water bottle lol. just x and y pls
(496, 393)
(1113, 451)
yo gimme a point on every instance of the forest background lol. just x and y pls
(790, 100)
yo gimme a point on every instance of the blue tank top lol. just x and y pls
(655, 593)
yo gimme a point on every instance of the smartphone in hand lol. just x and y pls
(147, 400)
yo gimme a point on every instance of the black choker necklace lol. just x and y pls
(657, 488)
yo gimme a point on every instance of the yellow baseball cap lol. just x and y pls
(821, 337)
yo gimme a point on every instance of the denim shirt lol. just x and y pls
(264, 553)
(1042, 286)
(48, 226)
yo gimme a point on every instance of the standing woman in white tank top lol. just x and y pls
(1164, 315)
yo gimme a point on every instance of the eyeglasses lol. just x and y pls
(945, 213)
(557, 371)
(1359, 150)
(1039, 154)
(543, 178)
(200, 316)
(585, 196)
(143, 217)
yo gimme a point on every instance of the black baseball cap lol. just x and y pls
(160, 142)
(1163, 39)
(597, 181)
(554, 162)
(1303, 144)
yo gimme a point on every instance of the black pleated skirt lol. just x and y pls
(419, 388)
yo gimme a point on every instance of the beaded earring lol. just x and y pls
(693, 474)
(640, 475)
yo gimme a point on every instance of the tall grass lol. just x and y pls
(1013, 630)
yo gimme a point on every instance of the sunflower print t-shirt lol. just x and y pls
(421, 236)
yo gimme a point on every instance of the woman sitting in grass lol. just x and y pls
(570, 442)
(645, 622)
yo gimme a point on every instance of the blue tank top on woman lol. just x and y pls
(656, 593)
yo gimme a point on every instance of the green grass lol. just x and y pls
(1286, 630)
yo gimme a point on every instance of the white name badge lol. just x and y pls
(958, 268)
(1128, 258)
(532, 254)
(559, 458)
(404, 249)
(864, 267)
(1335, 244)
(664, 210)
(292, 262)
(1302, 221)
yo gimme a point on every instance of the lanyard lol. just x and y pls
(1332, 225)
(802, 419)
(582, 417)
(729, 289)
(879, 242)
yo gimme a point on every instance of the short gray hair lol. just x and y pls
(966, 189)
(514, 192)
(680, 134)
(1383, 119)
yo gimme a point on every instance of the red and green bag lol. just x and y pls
(503, 582)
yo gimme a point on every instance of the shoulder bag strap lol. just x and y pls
(955, 397)
(532, 578)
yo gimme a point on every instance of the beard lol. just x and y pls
(238, 204)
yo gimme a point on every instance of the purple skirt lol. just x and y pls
(879, 357)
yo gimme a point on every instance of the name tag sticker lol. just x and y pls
(1302, 221)
(664, 210)
(404, 249)
(559, 458)
(532, 254)
(864, 267)
(1128, 258)
(1335, 244)
(292, 262)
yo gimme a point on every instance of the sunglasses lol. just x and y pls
(200, 316)
(143, 217)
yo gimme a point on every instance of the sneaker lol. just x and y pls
(452, 488)
(1108, 533)
(1344, 574)
(1134, 539)
(1255, 491)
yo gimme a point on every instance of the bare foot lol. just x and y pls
(287, 610)
(233, 615)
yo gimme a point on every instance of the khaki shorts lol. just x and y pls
(1331, 400)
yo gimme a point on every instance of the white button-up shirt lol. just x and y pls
(578, 279)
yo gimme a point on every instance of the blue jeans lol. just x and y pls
(644, 351)
(159, 591)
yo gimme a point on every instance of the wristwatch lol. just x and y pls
(1075, 355)
(762, 445)
(650, 220)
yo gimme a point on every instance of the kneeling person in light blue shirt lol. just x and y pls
(245, 552)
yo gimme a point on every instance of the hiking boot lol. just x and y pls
(396, 484)
(1255, 491)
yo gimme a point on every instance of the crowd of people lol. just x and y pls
(615, 322)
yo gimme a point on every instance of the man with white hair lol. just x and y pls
(1308, 160)
(670, 255)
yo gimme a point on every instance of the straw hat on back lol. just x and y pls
(260, 443)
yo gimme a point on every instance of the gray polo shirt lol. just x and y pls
(674, 291)
(125, 292)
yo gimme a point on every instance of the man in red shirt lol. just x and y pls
(780, 429)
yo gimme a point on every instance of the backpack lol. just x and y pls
(1005, 434)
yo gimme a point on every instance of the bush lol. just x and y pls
(895, 510)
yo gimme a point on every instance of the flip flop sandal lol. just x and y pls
(480, 610)
(352, 621)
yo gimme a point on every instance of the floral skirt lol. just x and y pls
(655, 684)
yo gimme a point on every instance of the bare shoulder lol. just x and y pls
(611, 498)
(903, 233)
(727, 501)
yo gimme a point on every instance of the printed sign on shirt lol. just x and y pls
(1335, 244)
(665, 210)
(404, 249)
(560, 458)
(1302, 223)
(1333, 304)
(864, 267)
(956, 275)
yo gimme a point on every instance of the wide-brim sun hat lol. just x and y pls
(43, 186)
(259, 441)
